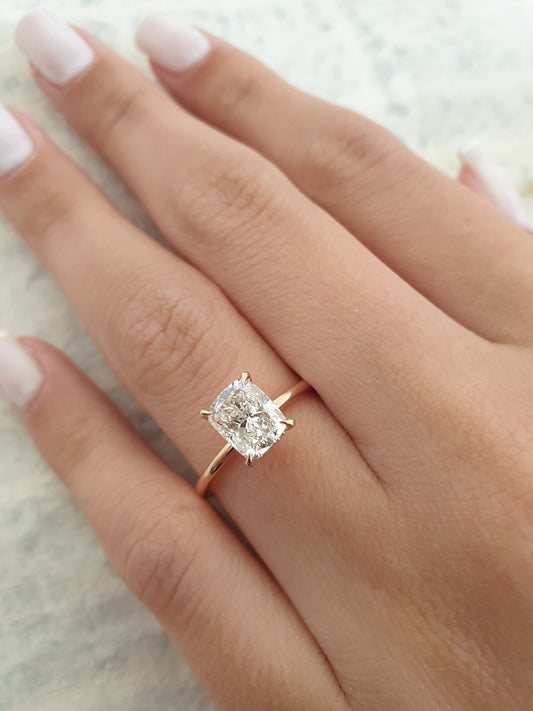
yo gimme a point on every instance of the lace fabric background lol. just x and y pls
(72, 638)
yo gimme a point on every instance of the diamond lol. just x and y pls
(247, 418)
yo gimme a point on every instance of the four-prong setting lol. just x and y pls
(247, 418)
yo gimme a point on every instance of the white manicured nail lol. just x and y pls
(15, 144)
(494, 179)
(52, 46)
(20, 376)
(172, 44)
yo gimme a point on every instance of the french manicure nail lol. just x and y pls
(20, 376)
(174, 45)
(57, 51)
(15, 144)
(473, 155)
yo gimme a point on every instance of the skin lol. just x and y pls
(391, 529)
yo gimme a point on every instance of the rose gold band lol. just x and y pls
(227, 451)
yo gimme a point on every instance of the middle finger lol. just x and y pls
(239, 219)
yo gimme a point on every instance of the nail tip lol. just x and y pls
(173, 45)
(491, 174)
(468, 146)
(16, 145)
(29, 17)
(21, 377)
(55, 48)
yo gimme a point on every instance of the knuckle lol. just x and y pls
(235, 95)
(72, 446)
(229, 196)
(160, 337)
(50, 211)
(350, 147)
(117, 107)
(489, 437)
(159, 561)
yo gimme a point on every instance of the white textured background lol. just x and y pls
(72, 638)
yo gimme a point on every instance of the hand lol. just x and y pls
(392, 527)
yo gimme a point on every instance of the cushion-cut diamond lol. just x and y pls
(247, 418)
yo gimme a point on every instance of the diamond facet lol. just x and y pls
(247, 418)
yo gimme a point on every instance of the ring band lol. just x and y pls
(248, 420)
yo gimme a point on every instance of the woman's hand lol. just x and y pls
(393, 526)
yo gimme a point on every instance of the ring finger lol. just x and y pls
(175, 341)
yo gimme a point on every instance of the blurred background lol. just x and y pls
(436, 73)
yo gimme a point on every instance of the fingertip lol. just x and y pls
(54, 47)
(486, 176)
(16, 144)
(21, 374)
(173, 45)
(61, 388)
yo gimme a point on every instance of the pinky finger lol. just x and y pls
(486, 177)
(218, 604)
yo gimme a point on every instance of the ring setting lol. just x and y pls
(249, 420)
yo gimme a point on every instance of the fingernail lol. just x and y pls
(495, 180)
(52, 46)
(15, 144)
(20, 376)
(172, 44)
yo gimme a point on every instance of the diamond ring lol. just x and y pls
(249, 421)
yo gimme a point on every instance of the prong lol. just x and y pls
(205, 414)
(249, 460)
(288, 423)
(246, 376)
